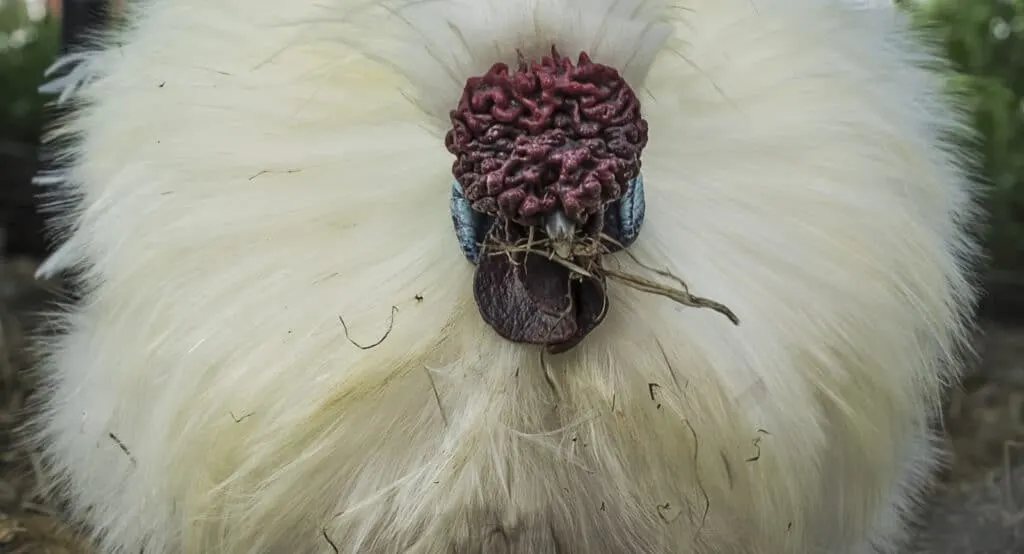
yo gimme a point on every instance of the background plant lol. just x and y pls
(27, 46)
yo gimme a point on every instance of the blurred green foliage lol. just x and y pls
(983, 38)
(26, 49)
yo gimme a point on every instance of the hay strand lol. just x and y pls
(586, 259)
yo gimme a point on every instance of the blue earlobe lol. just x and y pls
(623, 223)
(471, 227)
(631, 212)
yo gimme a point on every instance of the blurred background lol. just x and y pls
(979, 507)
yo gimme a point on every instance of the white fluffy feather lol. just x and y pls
(249, 171)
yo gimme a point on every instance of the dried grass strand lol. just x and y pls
(587, 260)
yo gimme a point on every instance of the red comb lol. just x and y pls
(551, 134)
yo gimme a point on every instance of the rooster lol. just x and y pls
(533, 276)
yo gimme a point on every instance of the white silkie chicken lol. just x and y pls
(285, 346)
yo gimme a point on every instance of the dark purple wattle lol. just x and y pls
(550, 135)
(528, 298)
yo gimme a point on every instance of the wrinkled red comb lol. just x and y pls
(550, 135)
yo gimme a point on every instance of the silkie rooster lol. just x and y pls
(532, 276)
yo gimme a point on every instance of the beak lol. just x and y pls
(559, 227)
(560, 230)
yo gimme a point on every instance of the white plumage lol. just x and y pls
(248, 172)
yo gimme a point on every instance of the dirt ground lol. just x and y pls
(977, 509)
(29, 522)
